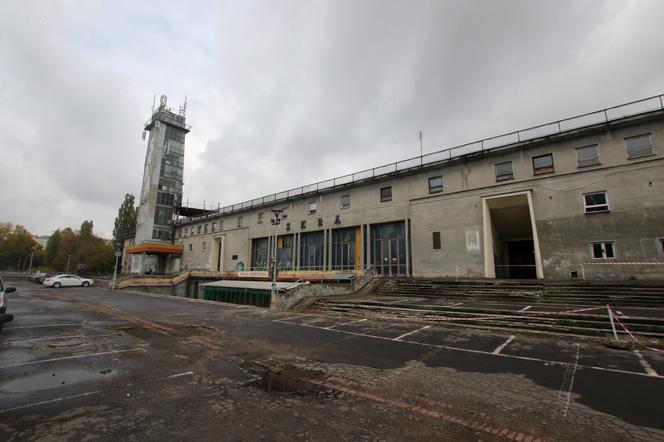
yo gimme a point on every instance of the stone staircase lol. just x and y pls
(431, 300)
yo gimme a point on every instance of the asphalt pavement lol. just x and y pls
(90, 362)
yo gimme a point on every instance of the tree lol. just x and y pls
(52, 246)
(85, 234)
(17, 245)
(125, 222)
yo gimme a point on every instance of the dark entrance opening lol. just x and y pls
(521, 258)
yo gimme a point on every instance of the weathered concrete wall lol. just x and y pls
(309, 293)
(635, 192)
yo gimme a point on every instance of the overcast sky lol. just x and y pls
(285, 93)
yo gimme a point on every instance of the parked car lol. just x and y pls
(67, 280)
(35, 276)
(41, 278)
(4, 290)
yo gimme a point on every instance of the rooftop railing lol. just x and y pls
(544, 130)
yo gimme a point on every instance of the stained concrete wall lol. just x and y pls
(635, 191)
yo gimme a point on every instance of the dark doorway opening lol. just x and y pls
(521, 259)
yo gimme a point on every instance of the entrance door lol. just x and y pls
(389, 249)
(521, 259)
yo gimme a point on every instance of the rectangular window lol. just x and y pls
(587, 156)
(386, 194)
(639, 146)
(203, 245)
(190, 247)
(595, 202)
(205, 229)
(344, 248)
(345, 201)
(214, 227)
(543, 164)
(239, 221)
(186, 231)
(504, 171)
(435, 184)
(259, 219)
(259, 253)
(311, 251)
(284, 213)
(198, 230)
(603, 250)
(221, 224)
(436, 240)
(312, 208)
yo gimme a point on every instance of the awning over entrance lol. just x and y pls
(156, 248)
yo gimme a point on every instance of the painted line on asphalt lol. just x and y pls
(51, 338)
(646, 366)
(294, 317)
(480, 352)
(179, 375)
(528, 307)
(398, 338)
(452, 305)
(565, 391)
(502, 346)
(64, 358)
(60, 399)
(344, 323)
(43, 326)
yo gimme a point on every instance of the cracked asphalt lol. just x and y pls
(89, 363)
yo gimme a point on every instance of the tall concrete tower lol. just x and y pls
(161, 192)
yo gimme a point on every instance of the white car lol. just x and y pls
(67, 280)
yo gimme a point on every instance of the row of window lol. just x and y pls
(636, 147)
(592, 202)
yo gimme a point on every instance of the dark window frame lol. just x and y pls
(435, 189)
(504, 176)
(596, 208)
(642, 152)
(345, 201)
(311, 204)
(437, 241)
(604, 251)
(541, 170)
(384, 196)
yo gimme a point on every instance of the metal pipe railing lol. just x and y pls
(643, 106)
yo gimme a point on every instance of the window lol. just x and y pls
(198, 230)
(639, 146)
(386, 194)
(603, 250)
(190, 247)
(543, 164)
(203, 245)
(239, 221)
(178, 234)
(186, 231)
(345, 201)
(284, 213)
(303, 224)
(312, 208)
(435, 184)
(595, 202)
(165, 199)
(436, 240)
(214, 227)
(504, 171)
(205, 229)
(259, 219)
(221, 224)
(587, 156)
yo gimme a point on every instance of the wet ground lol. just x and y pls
(90, 363)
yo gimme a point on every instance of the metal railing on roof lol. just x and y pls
(557, 127)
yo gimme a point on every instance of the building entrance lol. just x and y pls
(510, 238)
(388, 248)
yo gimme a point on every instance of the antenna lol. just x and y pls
(154, 98)
(421, 155)
(184, 107)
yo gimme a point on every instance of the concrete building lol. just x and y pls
(152, 249)
(577, 198)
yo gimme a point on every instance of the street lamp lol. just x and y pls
(118, 254)
(275, 222)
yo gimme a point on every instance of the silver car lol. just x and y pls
(4, 316)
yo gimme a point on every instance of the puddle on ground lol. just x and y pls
(49, 379)
(287, 380)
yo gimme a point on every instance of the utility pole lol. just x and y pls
(275, 222)
(118, 253)
(31, 255)
(67, 267)
(421, 154)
